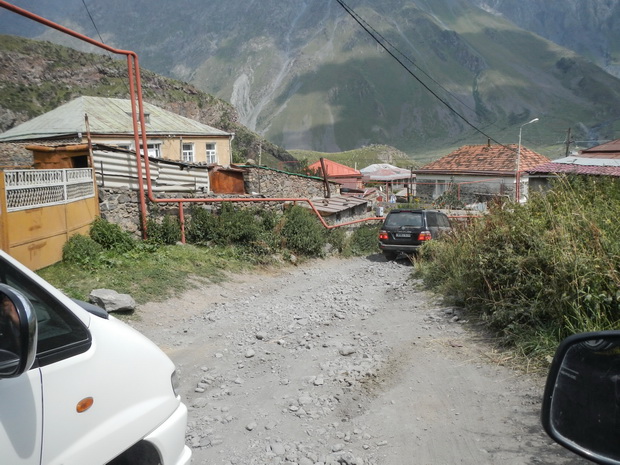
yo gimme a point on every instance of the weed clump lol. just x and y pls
(364, 240)
(111, 236)
(81, 250)
(166, 232)
(538, 272)
(302, 233)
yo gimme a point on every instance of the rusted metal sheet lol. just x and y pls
(225, 181)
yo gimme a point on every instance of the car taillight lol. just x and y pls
(383, 235)
(425, 236)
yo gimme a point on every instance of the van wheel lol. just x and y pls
(390, 255)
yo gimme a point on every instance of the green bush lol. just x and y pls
(549, 267)
(167, 232)
(111, 237)
(81, 250)
(302, 233)
(250, 231)
(203, 226)
(337, 237)
(238, 226)
(365, 240)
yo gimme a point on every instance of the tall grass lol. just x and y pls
(537, 272)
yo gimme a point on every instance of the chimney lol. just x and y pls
(489, 142)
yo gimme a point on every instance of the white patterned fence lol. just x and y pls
(39, 188)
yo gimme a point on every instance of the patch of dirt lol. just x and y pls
(343, 362)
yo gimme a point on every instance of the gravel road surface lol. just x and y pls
(343, 362)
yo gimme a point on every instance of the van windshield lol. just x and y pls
(399, 219)
(57, 327)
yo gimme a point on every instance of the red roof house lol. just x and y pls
(479, 172)
(601, 160)
(342, 174)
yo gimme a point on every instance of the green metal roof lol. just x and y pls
(107, 116)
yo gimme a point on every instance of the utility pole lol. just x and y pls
(325, 178)
(568, 142)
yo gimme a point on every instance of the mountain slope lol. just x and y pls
(36, 77)
(588, 27)
(306, 76)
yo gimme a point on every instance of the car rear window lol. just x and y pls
(397, 219)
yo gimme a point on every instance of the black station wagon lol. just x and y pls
(405, 230)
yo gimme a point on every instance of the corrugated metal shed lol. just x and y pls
(118, 169)
(106, 116)
(337, 204)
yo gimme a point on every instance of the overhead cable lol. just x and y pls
(363, 25)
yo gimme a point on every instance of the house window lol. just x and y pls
(188, 152)
(211, 153)
(153, 149)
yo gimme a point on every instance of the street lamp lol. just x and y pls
(517, 173)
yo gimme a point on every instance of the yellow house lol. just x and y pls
(108, 121)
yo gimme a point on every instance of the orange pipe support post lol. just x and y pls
(135, 91)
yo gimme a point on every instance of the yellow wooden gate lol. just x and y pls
(41, 209)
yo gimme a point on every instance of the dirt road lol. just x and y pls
(343, 362)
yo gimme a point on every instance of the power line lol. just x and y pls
(378, 34)
(363, 23)
(92, 21)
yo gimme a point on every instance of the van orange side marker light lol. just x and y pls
(84, 404)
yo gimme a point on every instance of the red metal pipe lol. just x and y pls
(135, 91)
(182, 222)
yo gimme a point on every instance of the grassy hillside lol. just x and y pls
(359, 158)
(36, 77)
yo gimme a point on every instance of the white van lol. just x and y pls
(79, 387)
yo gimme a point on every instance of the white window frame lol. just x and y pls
(211, 150)
(153, 148)
(187, 152)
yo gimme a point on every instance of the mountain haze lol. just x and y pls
(305, 75)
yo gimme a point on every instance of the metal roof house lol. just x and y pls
(601, 160)
(108, 121)
(479, 172)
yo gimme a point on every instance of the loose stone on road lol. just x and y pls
(343, 362)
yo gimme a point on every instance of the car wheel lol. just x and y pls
(390, 255)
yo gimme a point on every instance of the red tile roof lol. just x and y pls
(569, 168)
(485, 159)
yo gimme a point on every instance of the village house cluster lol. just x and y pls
(79, 161)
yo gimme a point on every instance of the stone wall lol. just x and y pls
(122, 206)
(268, 182)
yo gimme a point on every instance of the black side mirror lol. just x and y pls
(18, 333)
(581, 404)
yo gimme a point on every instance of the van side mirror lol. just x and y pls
(581, 404)
(18, 333)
